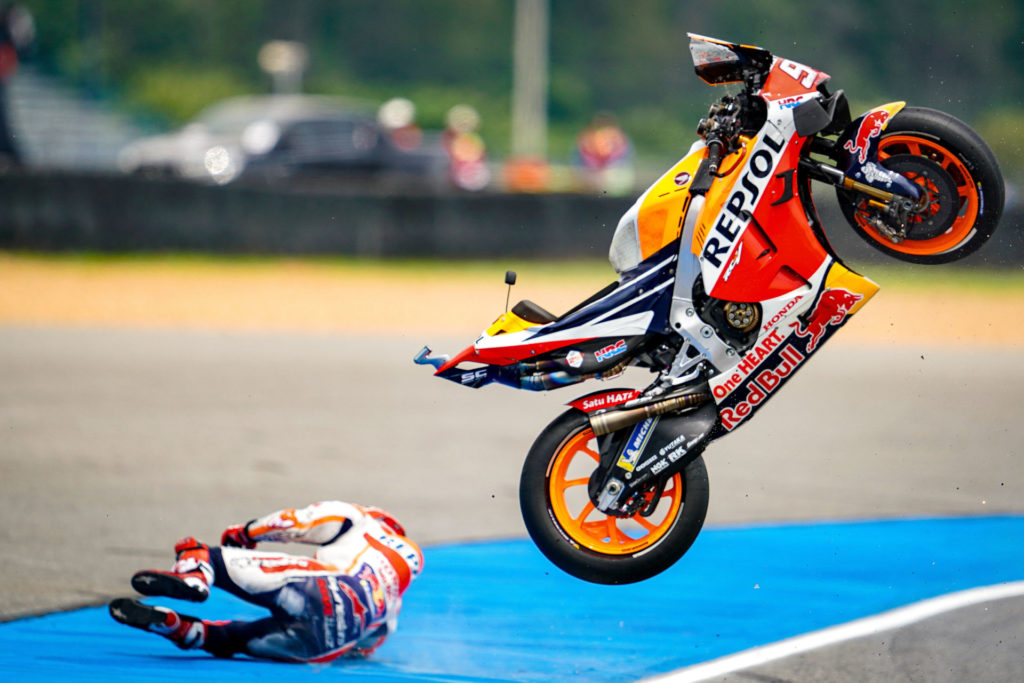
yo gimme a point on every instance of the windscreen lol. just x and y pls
(715, 63)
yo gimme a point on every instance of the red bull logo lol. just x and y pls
(372, 585)
(325, 597)
(833, 306)
(760, 388)
(358, 610)
(870, 128)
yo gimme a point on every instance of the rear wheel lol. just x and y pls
(587, 543)
(959, 176)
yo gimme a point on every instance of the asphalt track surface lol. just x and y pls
(115, 442)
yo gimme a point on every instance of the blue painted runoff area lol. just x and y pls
(498, 611)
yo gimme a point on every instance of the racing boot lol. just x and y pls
(184, 631)
(189, 578)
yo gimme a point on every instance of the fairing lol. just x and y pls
(586, 341)
(656, 219)
(680, 252)
(783, 347)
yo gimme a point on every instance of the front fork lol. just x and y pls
(642, 447)
(897, 205)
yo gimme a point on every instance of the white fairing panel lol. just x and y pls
(624, 253)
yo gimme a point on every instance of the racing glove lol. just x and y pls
(236, 536)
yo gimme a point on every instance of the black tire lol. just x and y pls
(966, 164)
(562, 546)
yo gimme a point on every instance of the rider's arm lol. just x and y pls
(318, 524)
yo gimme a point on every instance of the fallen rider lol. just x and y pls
(344, 601)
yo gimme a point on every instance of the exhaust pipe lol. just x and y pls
(606, 423)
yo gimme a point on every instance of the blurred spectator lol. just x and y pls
(17, 31)
(398, 117)
(466, 148)
(527, 174)
(605, 155)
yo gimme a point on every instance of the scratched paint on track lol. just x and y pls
(499, 611)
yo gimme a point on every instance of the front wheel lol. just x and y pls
(585, 542)
(959, 176)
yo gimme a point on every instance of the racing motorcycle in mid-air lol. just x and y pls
(726, 286)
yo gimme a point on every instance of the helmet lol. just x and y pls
(384, 518)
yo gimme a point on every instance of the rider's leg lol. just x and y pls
(271, 638)
(189, 578)
(303, 595)
(184, 631)
(279, 638)
(259, 577)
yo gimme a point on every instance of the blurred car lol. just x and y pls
(291, 140)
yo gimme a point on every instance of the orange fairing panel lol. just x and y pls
(716, 196)
(661, 215)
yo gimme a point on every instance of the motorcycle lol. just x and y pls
(726, 286)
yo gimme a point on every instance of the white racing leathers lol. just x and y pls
(344, 600)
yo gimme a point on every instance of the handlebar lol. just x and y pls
(716, 152)
(719, 130)
(708, 166)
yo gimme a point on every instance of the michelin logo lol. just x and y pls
(637, 443)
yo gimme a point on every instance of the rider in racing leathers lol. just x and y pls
(343, 602)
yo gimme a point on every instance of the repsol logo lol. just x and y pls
(736, 212)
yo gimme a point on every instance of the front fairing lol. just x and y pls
(758, 253)
(753, 238)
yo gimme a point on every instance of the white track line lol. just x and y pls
(859, 628)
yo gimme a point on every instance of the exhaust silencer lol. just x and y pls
(606, 423)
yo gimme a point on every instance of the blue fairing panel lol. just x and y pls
(648, 287)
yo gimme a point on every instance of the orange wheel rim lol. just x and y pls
(967, 195)
(568, 476)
